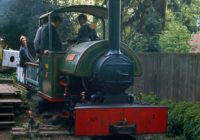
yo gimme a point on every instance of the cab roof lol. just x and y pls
(97, 11)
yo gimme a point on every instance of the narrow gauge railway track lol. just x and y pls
(50, 132)
(41, 131)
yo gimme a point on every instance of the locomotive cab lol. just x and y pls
(51, 64)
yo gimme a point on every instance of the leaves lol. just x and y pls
(186, 12)
(183, 117)
(22, 19)
(175, 37)
(141, 19)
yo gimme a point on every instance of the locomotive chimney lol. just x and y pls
(114, 14)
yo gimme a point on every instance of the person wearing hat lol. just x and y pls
(24, 53)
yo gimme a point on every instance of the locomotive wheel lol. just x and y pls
(45, 106)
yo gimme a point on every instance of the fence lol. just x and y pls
(172, 76)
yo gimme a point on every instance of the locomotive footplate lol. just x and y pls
(104, 120)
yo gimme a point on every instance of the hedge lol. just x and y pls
(183, 117)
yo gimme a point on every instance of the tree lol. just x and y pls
(186, 11)
(23, 20)
(144, 19)
(175, 37)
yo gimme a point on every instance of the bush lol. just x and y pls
(175, 37)
(183, 117)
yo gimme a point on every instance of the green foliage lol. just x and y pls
(22, 19)
(184, 120)
(138, 42)
(128, 20)
(11, 33)
(152, 28)
(186, 12)
(153, 24)
(189, 15)
(183, 117)
(180, 22)
(143, 22)
(176, 117)
(151, 99)
(175, 37)
(9, 75)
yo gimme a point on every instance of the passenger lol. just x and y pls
(86, 32)
(24, 53)
(38, 48)
(56, 42)
(37, 40)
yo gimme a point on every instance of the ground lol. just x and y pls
(4, 135)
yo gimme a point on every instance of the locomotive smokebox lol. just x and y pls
(114, 71)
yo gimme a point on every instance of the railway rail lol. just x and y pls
(41, 130)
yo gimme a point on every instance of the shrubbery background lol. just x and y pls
(183, 117)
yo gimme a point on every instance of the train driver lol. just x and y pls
(86, 32)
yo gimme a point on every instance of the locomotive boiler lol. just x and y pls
(92, 79)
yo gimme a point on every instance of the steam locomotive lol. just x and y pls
(91, 78)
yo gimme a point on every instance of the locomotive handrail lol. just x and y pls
(57, 52)
(34, 64)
